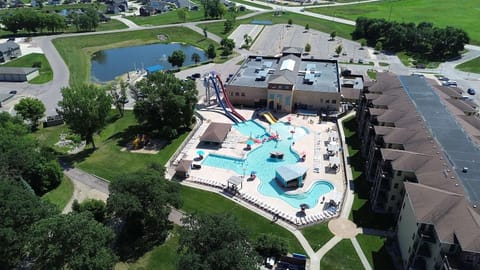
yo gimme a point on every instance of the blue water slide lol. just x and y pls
(217, 92)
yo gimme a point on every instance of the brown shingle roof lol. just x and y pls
(350, 93)
(184, 165)
(449, 212)
(452, 92)
(216, 132)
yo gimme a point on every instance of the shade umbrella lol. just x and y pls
(200, 152)
(250, 142)
(304, 206)
(253, 172)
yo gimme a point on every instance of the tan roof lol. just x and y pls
(184, 165)
(449, 212)
(216, 132)
(350, 93)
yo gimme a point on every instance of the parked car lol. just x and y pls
(443, 78)
(196, 75)
(471, 91)
(13, 92)
(450, 83)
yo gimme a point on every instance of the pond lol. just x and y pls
(108, 64)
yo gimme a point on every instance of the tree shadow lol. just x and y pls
(382, 259)
(68, 161)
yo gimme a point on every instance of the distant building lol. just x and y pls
(116, 6)
(14, 74)
(286, 83)
(9, 50)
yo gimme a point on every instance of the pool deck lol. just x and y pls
(313, 144)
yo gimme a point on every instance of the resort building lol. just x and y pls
(286, 83)
(423, 168)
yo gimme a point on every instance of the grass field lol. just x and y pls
(46, 73)
(162, 257)
(251, 3)
(470, 66)
(461, 13)
(317, 235)
(299, 19)
(76, 51)
(208, 202)
(341, 257)
(61, 195)
(361, 212)
(375, 251)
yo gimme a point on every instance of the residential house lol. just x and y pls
(116, 6)
(9, 50)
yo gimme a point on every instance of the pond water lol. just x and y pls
(108, 64)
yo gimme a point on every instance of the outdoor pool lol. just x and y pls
(259, 160)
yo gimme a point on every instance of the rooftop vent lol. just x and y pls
(465, 169)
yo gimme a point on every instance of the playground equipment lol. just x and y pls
(140, 141)
(232, 114)
(269, 117)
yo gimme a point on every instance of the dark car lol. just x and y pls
(471, 91)
(13, 92)
(196, 75)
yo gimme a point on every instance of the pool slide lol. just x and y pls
(270, 118)
(227, 100)
(217, 93)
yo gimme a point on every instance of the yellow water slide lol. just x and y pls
(270, 118)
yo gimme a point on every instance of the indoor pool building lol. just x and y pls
(286, 83)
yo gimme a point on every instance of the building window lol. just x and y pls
(237, 94)
(321, 100)
(334, 101)
(409, 250)
(231, 94)
(400, 218)
(413, 236)
(327, 101)
(392, 198)
(403, 205)
(399, 173)
(243, 94)
(395, 186)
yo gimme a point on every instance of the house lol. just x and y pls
(9, 50)
(3, 4)
(16, 4)
(16, 74)
(54, 2)
(416, 162)
(116, 6)
(147, 11)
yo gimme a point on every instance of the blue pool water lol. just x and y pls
(259, 160)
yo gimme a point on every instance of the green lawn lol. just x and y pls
(208, 202)
(372, 74)
(361, 212)
(111, 25)
(299, 19)
(341, 256)
(76, 51)
(442, 13)
(110, 142)
(317, 235)
(28, 60)
(162, 257)
(61, 195)
(252, 3)
(470, 66)
(375, 251)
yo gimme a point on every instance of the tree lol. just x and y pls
(215, 242)
(307, 27)
(85, 109)
(378, 46)
(308, 47)
(362, 44)
(196, 58)
(333, 35)
(269, 245)
(31, 110)
(19, 209)
(213, 8)
(228, 26)
(119, 99)
(247, 39)
(177, 58)
(290, 21)
(168, 103)
(96, 208)
(211, 51)
(338, 49)
(228, 45)
(205, 33)
(22, 158)
(140, 202)
(73, 240)
(182, 14)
